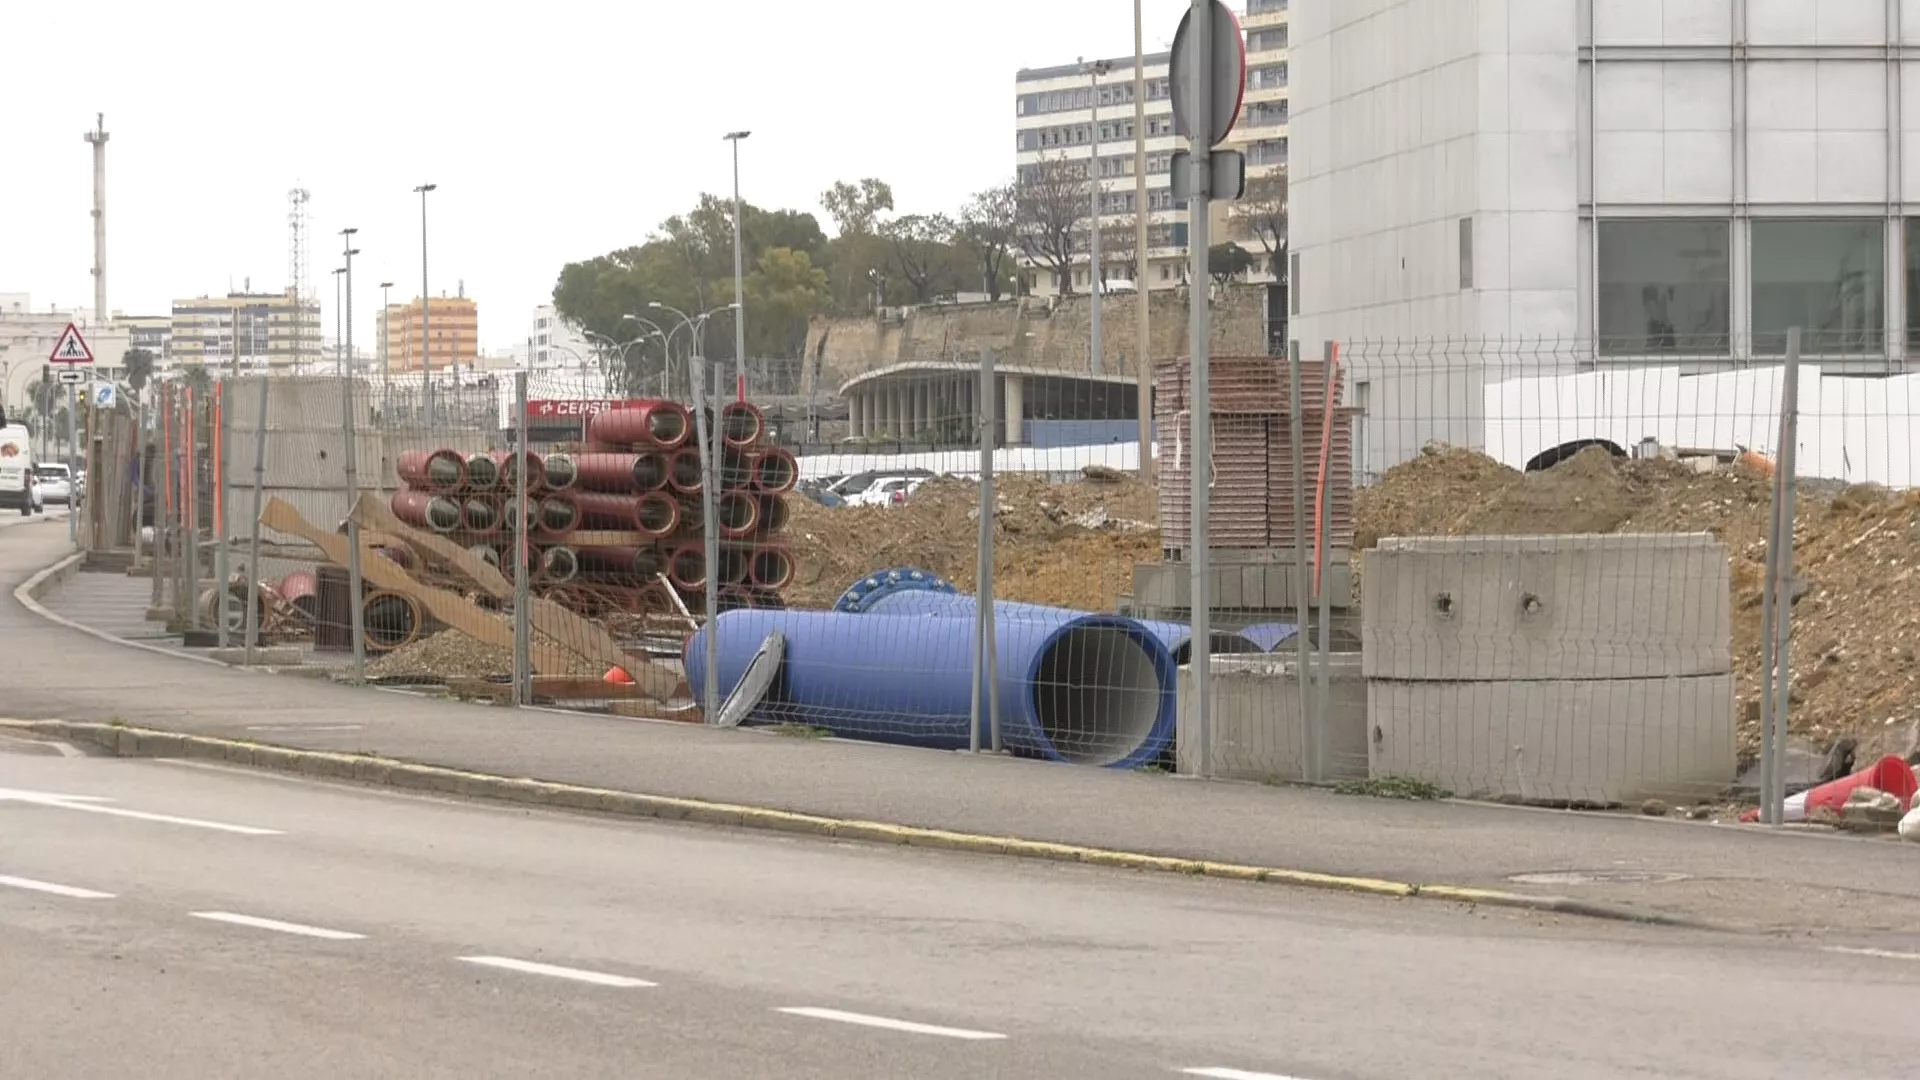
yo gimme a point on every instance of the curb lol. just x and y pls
(126, 741)
(28, 594)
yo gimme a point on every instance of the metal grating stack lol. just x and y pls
(1252, 496)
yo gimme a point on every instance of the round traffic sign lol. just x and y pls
(1227, 79)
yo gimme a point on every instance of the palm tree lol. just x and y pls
(139, 365)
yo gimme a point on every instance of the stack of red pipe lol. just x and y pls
(473, 499)
(640, 474)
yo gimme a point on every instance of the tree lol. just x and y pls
(1050, 204)
(1228, 261)
(861, 258)
(139, 365)
(1119, 247)
(925, 254)
(856, 208)
(1262, 217)
(987, 230)
(198, 380)
(785, 290)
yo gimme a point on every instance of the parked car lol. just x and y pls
(18, 489)
(848, 486)
(54, 483)
(887, 491)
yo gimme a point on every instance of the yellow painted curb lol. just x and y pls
(127, 741)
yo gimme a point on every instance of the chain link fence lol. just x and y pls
(1532, 571)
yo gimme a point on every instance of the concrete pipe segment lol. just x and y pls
(687, 567)
(738, 513)
(605, 510)
(424, 511)
(528, 460)
(486, 553)
(775, 472)
(391, 620)
(683, 472)
(772, 568)
(905, 590)
(301, 589)
(556, 516)
(741, 424)
(1084, 689)
(558, 564)
(636, 562)
(438, 471)
(511, 513)
(483, 473)
(773, 515)
(558, 471)
(658, 514)
(651, 424)
(621, 473)
(480, 515)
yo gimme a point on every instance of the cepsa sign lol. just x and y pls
(574, 408)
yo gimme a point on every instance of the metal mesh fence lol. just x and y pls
(1532, 571)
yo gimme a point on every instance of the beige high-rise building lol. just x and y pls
(454, 322)
(266, 329)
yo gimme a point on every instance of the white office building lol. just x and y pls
(1680, 180)
(553, 342)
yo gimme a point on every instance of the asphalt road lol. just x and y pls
(173, 921)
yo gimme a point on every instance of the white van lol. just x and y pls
(17, 489)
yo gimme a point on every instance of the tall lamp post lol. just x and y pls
(666, 345)
(426, 339)
(385, 305)
(1095, 287)
(739, 278)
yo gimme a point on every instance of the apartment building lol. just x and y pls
(454, 322)
(270, 330)
(1261, 135)
(553, 342)
(1082, 114)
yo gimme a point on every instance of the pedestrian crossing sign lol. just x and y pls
(71, 348)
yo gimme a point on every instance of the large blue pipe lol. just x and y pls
(908, 590)
(1088, 689)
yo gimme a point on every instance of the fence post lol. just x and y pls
(1322, 542)
(356, 586)
(1776, 598)
(1302, 583)
(157, 473)
(222, 561)
(139, 475)
(709, 436)
(522, 594)
(986, 666)
(253, 519)
(190, 504)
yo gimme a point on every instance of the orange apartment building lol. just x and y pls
(454, 322)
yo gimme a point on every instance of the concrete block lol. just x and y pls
(1547, 607)
(1257, 730)
(1557, 741)
(270, 656)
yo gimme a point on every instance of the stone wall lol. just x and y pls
(1031, 332)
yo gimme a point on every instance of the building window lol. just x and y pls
(1826, 277)
(1664, 287)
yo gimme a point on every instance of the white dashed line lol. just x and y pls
(1883, 954)
(889, 1024)
(1235, 1074)
(91, 805)
(49, 887)
(275, 924)
(529, 967)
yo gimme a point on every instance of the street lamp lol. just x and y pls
(426, 341)
(666, 346)
(1094, 275)
(385, 329)
(346, 272)
(339, 355)
(739, 278)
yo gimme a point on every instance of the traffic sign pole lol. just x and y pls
(73, 463)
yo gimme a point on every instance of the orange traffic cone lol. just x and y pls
(1890, 774)
(617, 676)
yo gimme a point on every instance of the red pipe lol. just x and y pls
(558, 472)
(736, 565)
(301, 589)
(736, 470)
(662, 424)
(601, 510)
(771, 567)
(741, 424)
(556, 516)
(511, 514)
(640, 562)
(737, 514)
(403, 557)
(683, 472)
(480, 515)
(424, 511)
(773, 514)
(559, 564)
(437, 471)
(687, 568)
(621, 473)
(506, 460)
(775, 471)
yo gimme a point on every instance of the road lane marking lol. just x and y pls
(888, 1023)
(530, 967)
(90, 804)
(275, 924)
(305, 727)
(1233, 1075)
(67, 891)
(1883, 954)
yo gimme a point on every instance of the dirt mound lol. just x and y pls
(1072, 544)
(1856, 624)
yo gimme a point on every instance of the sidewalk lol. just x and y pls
(1850, 888)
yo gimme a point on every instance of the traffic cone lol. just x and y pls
(617, 676)
(1890, 774)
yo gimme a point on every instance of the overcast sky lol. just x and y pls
(556, 131)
